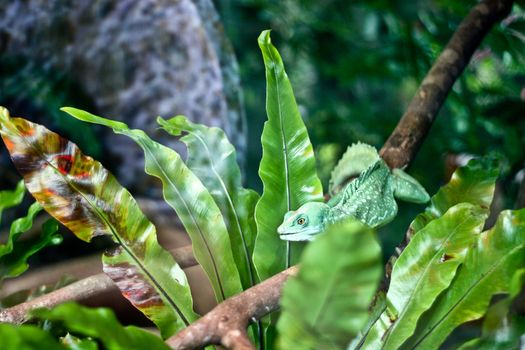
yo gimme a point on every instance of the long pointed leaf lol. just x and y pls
(425, 268)
(87, 199)
(194, 205)
(212, 158)
(326, 305)
(487, 270)
(287, 168)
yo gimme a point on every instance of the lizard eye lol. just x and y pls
(301, 221)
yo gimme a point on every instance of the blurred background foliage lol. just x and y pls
(355, 65)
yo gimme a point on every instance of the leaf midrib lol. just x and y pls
(327, 291)
(232, 207)
(284, 145)
(214, 264)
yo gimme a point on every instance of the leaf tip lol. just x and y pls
(264, 38)
(4, 113)
(175, 125)
(91, 118)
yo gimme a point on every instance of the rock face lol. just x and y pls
(134, 60)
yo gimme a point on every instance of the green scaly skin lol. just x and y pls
(370, 198)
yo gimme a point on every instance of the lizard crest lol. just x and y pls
(357, 158)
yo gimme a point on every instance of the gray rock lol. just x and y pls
(134, 60)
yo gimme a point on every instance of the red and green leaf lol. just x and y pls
(80, 193)
(192, 201)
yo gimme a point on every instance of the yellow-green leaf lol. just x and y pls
(488, 269)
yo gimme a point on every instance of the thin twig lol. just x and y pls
(226, 324)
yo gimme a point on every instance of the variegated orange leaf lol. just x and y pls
(80, 193)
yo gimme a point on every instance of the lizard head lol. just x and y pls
(304, 223)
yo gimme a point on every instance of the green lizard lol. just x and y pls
(370, 197)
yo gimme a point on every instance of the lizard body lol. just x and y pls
(369, 198)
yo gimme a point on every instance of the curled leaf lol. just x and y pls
(425, 268)
(11, 198)
(14, 254)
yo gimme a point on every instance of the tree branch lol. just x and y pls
(233, 315)
(404, 142)
(226, 324)
(81, 290)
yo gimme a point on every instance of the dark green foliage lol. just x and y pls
(26, 338)
(102, 324)
(15, 253)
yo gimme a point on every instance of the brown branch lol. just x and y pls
(76, 291)
(233, 315)
(226, 324)
(81, 290)
(404, 142)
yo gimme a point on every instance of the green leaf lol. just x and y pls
(18, 227)
(326, 305)
(102, 324)
(212, 158)
(26, 338)
(425, 268)
(9, 199)
(487, 270)
(287, 168)
(14, 255)
(194, 205)
(473, 183)
(87, 199)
